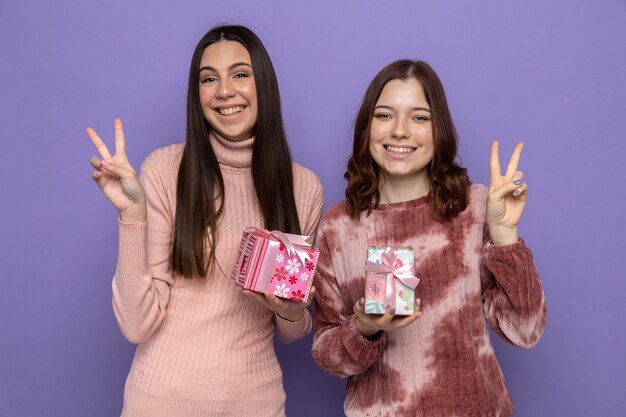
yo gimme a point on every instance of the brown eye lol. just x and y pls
(208, 79)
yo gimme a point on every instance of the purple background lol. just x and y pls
(550, 73)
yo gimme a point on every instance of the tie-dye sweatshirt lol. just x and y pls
(443, 364)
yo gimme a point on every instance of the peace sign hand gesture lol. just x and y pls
(507, 197)
(116, 177)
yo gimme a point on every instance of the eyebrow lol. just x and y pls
(231, 67)
(382, 106)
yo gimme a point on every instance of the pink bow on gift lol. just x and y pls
(389, 267)
(290, 241)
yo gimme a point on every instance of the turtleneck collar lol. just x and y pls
(231, 153)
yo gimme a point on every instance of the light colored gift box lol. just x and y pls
(390, 280)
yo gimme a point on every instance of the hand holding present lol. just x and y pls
(287, 309)
(368, 325)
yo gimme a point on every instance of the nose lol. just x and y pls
(225, 88)
(400, 130)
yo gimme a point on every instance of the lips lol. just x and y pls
(401, 150)
(229, 111)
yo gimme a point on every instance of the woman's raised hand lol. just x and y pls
(116, 177)
(507, 197)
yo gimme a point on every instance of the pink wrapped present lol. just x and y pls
(274, 262)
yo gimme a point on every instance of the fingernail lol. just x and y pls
(361, 302)
(518, 182)
(515, 193)
(392, 311)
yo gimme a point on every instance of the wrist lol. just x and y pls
(291, 317)
(365, 330)
(133, 216)
(502, 236)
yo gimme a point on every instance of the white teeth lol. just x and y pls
(231, 110)
(398, 149)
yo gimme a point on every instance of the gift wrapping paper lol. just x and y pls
(279, 263)
(386, 269)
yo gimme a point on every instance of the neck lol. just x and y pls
(236, 154)
(403, 188)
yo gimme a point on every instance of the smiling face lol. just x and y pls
(228, 91)
(401, 132)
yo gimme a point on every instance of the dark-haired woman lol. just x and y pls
(405, 189)
(205, 345)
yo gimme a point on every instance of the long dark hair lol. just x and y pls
(449, 183)
(200, 187)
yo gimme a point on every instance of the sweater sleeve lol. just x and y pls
(142, 280)
(290, 331)
(310, 198)
(338, 347)
(513, 299)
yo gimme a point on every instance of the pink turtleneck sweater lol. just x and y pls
(205, 349)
